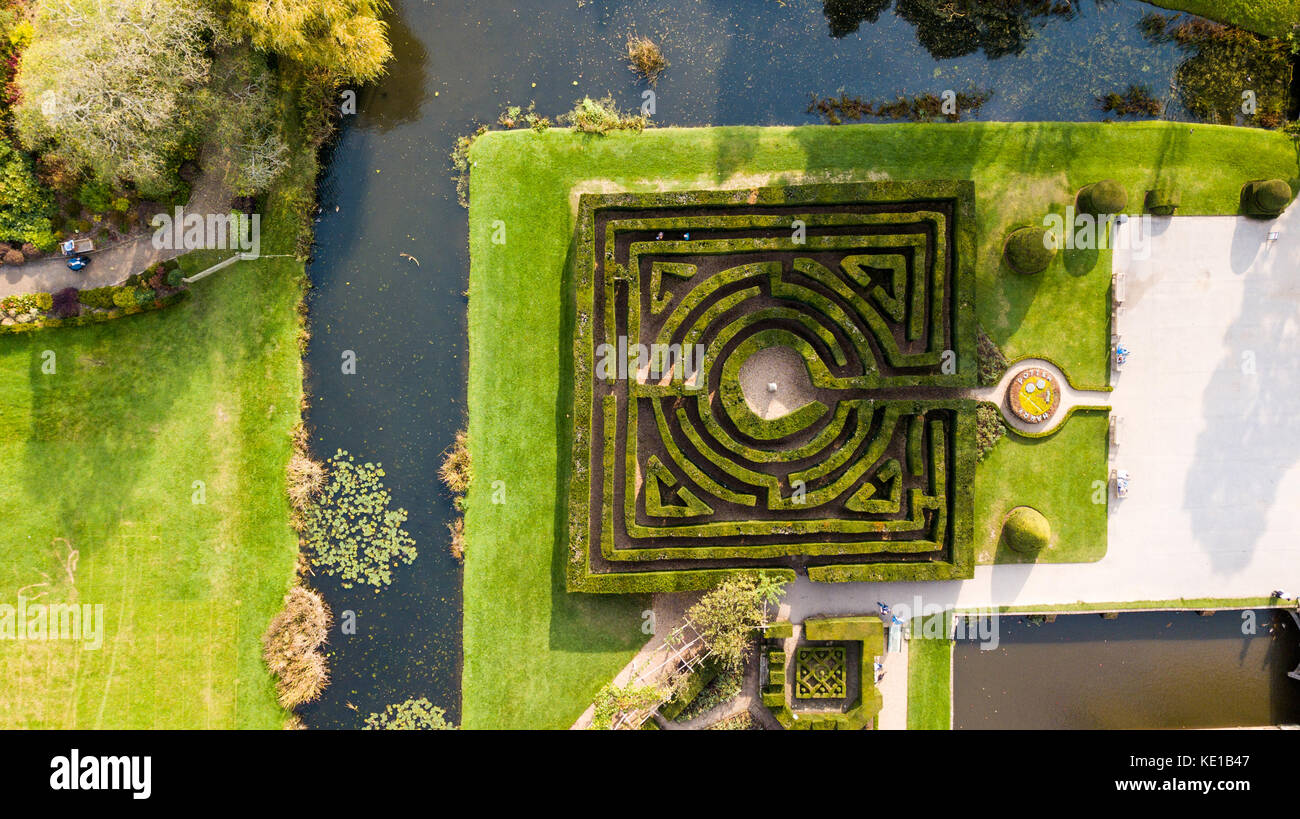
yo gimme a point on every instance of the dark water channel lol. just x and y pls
(387, 190)
(1143, 670)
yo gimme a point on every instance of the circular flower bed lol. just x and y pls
(1034, 395)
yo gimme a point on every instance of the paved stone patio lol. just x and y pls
(1210, 399)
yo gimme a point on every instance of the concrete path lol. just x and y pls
(893, 691)
(1211, 404)
(112, 264)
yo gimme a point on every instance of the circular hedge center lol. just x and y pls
(1106, 196)
(1273, 195)
(1026, 530)
(1029, 250)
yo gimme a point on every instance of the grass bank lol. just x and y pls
(1271, 17)
(929, 681)
(157, 450)
(535, 655)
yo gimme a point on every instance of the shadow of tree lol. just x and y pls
(1248, 410)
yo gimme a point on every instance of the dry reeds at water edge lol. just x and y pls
(455, 474)
(455, 469)
(304, 476)
(291, 647)
(457, 530)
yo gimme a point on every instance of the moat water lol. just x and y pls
(1141, 670)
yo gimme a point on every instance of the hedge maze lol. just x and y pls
(675, 479)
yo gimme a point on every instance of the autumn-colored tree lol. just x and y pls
(728, 617)
(104, 83)
(345, 37)
(25, 206)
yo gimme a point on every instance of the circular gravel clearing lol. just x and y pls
(775, 365)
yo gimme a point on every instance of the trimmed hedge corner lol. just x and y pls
(1265, 198)
(1162, 200)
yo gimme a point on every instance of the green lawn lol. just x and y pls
(1054, 475)
(1273, 17)
(106, 452)
(534, 655)
(929, 681)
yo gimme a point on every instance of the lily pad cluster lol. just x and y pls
(411, 715)
(352, 531)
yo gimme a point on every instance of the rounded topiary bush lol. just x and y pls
(1266, 198)
(1029, 250)
(1026, 530)
(1106, 196)
(1162, 200)
(14, 257)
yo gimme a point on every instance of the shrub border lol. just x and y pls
(87, 319)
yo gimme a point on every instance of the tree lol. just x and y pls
(25, 206)
(727, 617)
(245, 123)
(412, 715)
(345, 37)
(105, 83)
